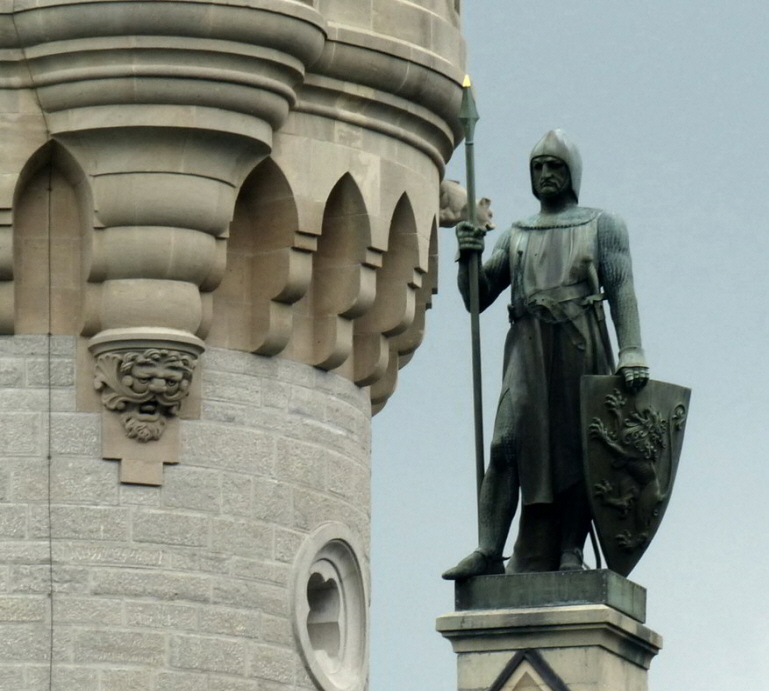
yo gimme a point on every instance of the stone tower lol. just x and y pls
(217, 238)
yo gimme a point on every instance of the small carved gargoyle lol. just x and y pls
(453, 206)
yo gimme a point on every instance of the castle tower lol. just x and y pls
(217, 244)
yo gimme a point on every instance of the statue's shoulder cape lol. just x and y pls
(576, 216)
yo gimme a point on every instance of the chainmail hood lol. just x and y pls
(556, 143)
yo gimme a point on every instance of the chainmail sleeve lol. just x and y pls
(493, 277)
(615, 272)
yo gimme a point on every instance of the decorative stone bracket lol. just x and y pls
(143, 378)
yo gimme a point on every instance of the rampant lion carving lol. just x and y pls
(145, 387)
(636, 441)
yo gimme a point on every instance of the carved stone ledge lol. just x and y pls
(144, 377)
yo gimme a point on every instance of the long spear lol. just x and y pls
(468, 116)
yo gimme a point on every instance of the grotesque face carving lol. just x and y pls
(145, 387)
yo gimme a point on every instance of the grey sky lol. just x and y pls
(668, 102)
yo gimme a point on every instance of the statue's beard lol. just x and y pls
(144, 423)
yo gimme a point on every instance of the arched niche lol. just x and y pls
(407, 342)
(52, 226)
(397, 282)
(265, 273)
(403, 345)
(343, 278)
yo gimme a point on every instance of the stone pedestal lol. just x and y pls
(578, 631)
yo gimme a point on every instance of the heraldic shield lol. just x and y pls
(631, 445)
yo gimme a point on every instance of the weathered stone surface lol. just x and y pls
(75, 434)
(23, 642)
(83, 481)
(120, 647)
(552, 589)
(238, 494)
(276, 630)
(22, 609)
(230, 684)
(161, 615)
(13, 522)
(171, 528)
(252, 594)
(244, 538)
(182, 681)
(87, 610)
(137, 583)
(192, 488)
(90, 523)
(272, 663)
(126, 680)
(230, 621)
(21, 434)
(11, 677)
(209, 654)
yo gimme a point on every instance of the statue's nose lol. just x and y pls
(157, 385)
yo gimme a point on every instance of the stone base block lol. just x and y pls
(547, 642)
(595, 587)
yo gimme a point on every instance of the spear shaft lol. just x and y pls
(468, 116)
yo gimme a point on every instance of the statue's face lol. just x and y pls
(550, 177)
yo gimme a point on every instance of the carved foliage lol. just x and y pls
(146, 387)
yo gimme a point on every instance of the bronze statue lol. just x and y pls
(561, 264)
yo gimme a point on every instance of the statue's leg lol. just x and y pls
(574, 517)
(537, 547)
(499, 496)
(497, 504)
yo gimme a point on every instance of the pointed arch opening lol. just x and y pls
(404, 344)
(345, 237)
(52, 226)
(343, 278)
(252, 302)
(396, 284)
(407, 342)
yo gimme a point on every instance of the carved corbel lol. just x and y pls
(143, 382)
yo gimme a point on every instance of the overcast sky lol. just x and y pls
(668, 101)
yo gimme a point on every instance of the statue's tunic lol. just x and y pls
(556, 265)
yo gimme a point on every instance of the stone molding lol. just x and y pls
(407, 70)
(589, 645)
(379, 111)
(552, 627)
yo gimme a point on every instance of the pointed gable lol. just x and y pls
(528, 671)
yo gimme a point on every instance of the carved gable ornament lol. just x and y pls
(528, 671)
(631, 443)
(143, 384)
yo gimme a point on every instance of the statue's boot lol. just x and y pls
(571, 560)
(575, 522)
(476, 564)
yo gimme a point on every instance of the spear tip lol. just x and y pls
(468, 112)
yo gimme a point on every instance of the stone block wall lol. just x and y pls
(186, 585)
